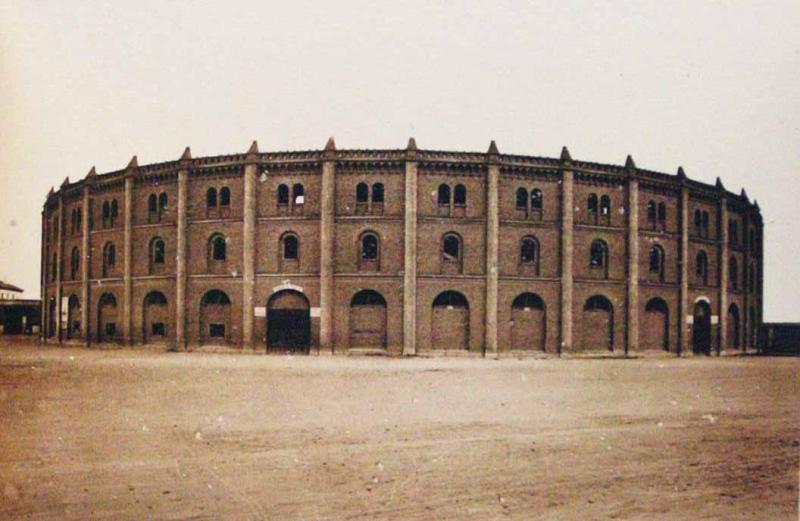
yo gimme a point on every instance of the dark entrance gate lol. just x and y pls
(288, 323)
(701, 328)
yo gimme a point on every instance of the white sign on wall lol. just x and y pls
(315, 312)
(260, 311)
(715, 319)
(689, 319)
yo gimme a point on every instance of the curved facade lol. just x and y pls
(401, 251)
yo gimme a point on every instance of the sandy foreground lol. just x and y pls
(89, 434)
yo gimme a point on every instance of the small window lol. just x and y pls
(605, 206)
(211, 198)
(698, 223)
(158, 329)
(451, 248)
(528, 250)
(75, 263)
(444, 195)
(106, 214)
(362, 193)
(662, 215)
(651, 213)
(290, 247)
(218, 248)
(152, 204)
(114, 212)
(460, 195)
(536, 199)
(283, 194)
(216, 330)
(158, 251)
(701, 267)
(592, 207)
(598, 255)
(522, 199)
(225, 196)
(162, 203)
(705, 232)
(369, 247)
(111, 329)
(298, 194)
(657, 261)
(733, 273)
(377, 193)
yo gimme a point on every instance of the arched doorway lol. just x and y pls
(734, 341)
(288, 322)
(528, 323)
(73, 317)
(215, 318)
(155, 317)
(701, 328)
(654, 332)
(107, 318)
(368, 320)
(450, 321)
(598, 324)
(51, 318)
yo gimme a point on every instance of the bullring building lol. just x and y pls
(401, 251)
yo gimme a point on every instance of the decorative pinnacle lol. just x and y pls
(493, 148)
(187, 154)
(681, 173)
(629, 164)
(412, 144)
(65, 182)
(565, 154)
(718, 184)
(330, 145)
(92, 173)
(253, 148)
(744, 195)
(134, 163)
(755, 204)
(51, 192)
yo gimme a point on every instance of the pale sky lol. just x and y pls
(713, 86)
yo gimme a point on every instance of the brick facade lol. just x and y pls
(401, 251)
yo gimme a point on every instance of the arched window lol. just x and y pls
(598, 254)
(528, 250)
(362, 193)
(109, 258)
(291, 247)
(662, 215)
(698, 223)
(592, 208)
(522, 199)
(224, 196)
(75, 263)
(54, 268)
(451, 253)
(460, 195)
(369, 246)
(218, 248)
(733, 232)
(377, 193)
(444, 195)
(752, 278)
(657, 261)
(705, 224)
(651, 214)
(157, 253)
(753, 246)
(536, 199)
(162, 203)
(106, 214)
(114, 212)
(283, 194)
(298, 194)
(733, 273)
(701, 268)
(152, 204)
(605, 208)
(211, 198)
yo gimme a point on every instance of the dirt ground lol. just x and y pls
(144, 435)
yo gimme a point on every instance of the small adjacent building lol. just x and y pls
(17, 316)
(780, 338)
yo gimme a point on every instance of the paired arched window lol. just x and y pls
(460, 195)
(74, 263)
(298, 194)
(157, 254)
(657, 262)
(599, 209)
(76, 219)
(293, 204)
(656, 215)
(530, 207)
(109, 258)
(369, 201)
(457, 201)
(701, 225)
(110, 212)
(218, 202)
(283, 195)
(733, 273)
(452, 253)
(443, 195)
(224, 196)
(156, 207)
(598, 256)
(733, 232)
(701, 268)
(211, 198)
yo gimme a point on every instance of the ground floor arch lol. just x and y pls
(368, 320)
(155, 317)
(597, 324)
(107, 318)
(450, 321)
(73, 317)
(654, 333)
(215, 318)
(288, 322)
(528, 323)
(51, 317)
(701, 328)
(733, 327)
